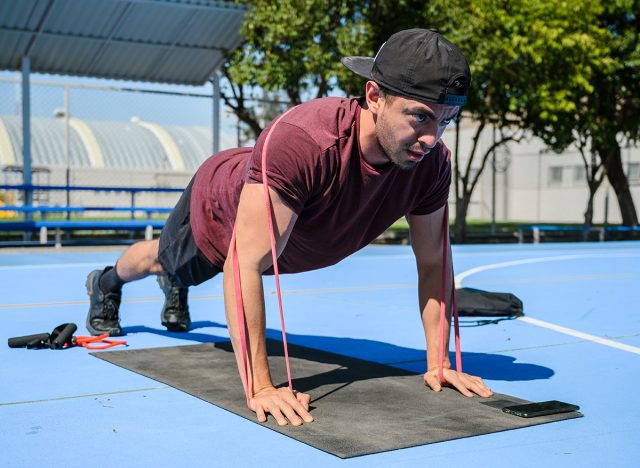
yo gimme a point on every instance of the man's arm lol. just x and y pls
(426, 239)
(254, 256)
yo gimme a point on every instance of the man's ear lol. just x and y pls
(373, 96)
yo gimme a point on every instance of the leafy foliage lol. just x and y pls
(295, 46)
(569, 72)
(563, 70)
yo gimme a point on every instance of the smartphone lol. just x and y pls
(531, 410)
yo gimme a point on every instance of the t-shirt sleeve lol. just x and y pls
(437, 196)
(292, 161)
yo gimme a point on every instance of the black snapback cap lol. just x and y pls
(419, 64)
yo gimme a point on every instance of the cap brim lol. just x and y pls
(359, 65)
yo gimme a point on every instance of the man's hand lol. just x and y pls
(464, 383)
(282, 404)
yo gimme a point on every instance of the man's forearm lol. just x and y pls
(429, 292)
(253, 299)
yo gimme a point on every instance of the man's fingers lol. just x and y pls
(459, 385)
(304, 399)
(300, 407)
(283, 405)
(468, 384)
(464, 383)
(262, 417)
(452, 378)
(474, 378)
(277, 414)
(290, 413)
(477, 380)
(477, 385)
(433, 382)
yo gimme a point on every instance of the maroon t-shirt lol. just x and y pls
(316, 166)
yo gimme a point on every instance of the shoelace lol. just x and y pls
(111, 301)
(174, 298)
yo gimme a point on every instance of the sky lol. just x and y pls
(92, 104)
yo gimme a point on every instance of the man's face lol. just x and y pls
(407, 129)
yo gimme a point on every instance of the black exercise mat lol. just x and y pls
(360, 407)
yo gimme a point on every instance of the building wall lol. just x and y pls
(535, 185)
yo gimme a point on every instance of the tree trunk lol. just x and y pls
(612, 158)
(462, 206)
(588, 214)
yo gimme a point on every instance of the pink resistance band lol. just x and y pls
(236, 277)
(240, 304)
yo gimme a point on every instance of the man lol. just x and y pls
(340, 171)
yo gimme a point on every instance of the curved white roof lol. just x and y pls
(129, 146)
(47, 142)
(194, 144)
(113, 145)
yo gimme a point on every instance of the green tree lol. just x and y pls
(604, 115)
(564, 71)
(610, 115)
(293, 47)
(528, 60)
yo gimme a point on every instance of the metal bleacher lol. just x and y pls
(42, 218)
(538, 232)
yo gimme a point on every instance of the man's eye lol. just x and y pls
(420, 117)
(446, 122)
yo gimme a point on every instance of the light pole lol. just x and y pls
(67, 148)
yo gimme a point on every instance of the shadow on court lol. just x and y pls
(406, 360)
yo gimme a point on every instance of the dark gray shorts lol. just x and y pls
(178, 253)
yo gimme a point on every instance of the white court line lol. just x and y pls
(459, 277)
(52, 265)
(526, 261)
(380, 287)
(551, 326)
(117, 392)
(579, 334)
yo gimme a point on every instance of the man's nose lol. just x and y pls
(429, 139)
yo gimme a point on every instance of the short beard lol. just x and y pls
(387, 151)
(403, 166)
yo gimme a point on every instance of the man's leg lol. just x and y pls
(176, 260)
(105, 286)
(139, 261)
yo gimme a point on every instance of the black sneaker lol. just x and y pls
(175, 313)
(103, 307)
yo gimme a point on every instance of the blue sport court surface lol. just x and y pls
(579, 342)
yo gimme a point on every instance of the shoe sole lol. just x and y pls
(175, 327)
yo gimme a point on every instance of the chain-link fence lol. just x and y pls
(125, 136)
(90, 135)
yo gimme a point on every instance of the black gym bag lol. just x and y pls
(478, 303)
